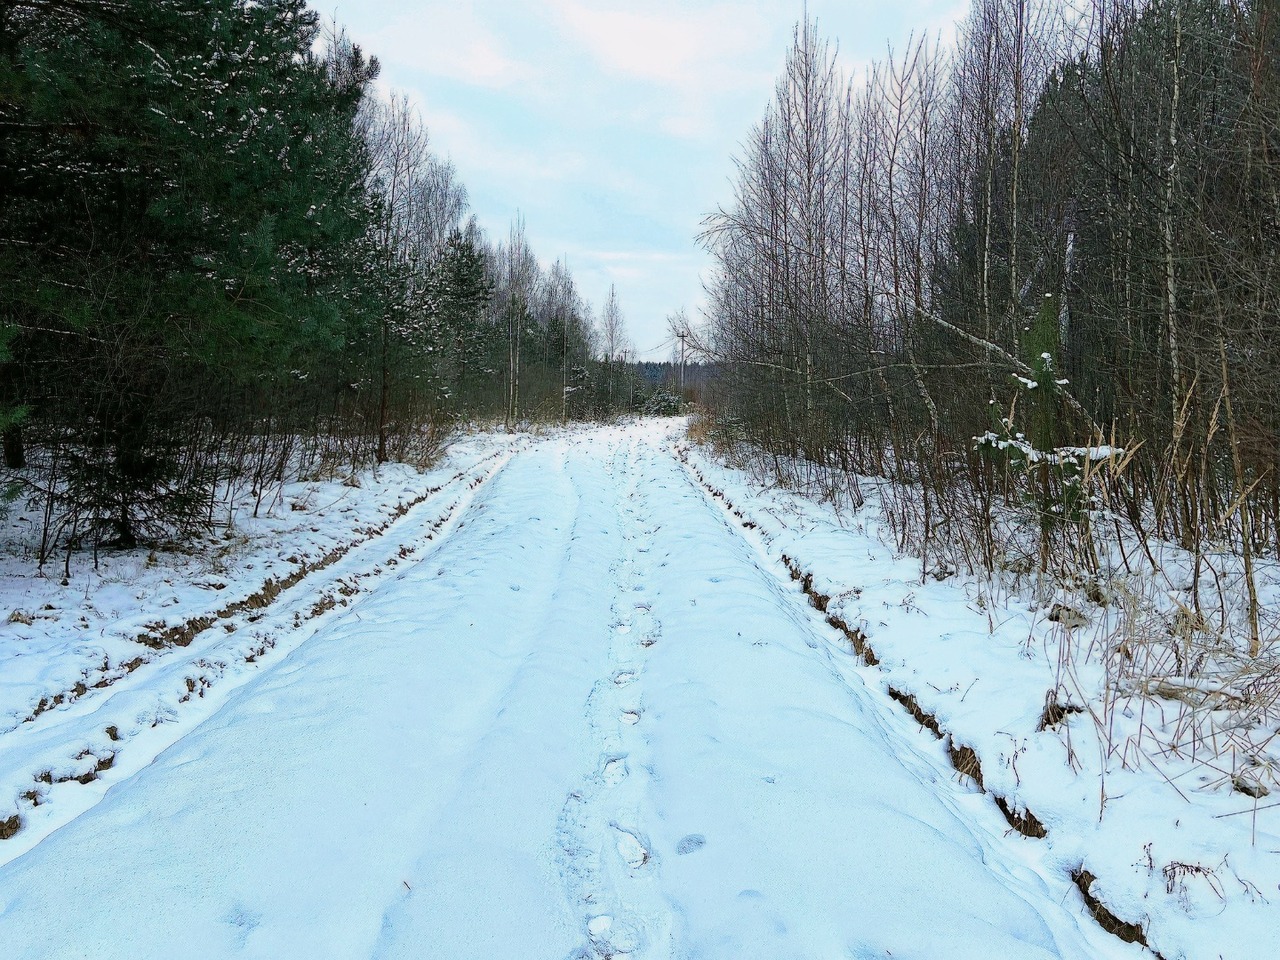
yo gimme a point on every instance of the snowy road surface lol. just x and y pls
(593, 722)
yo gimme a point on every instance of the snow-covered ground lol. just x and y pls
(99, 673)
(586, 712)
(58, 639)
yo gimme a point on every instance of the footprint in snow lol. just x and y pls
(624, 678)
(615, 771)
(630, 717)
(244, 920)
(599, 927)
(630, 848)
(614, 939)
(690, 843)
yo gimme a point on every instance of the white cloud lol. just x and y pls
(639, 257)
(677, 61)
(455, 42)
(474, 146)
(675, 44)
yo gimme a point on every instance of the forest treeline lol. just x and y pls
(224, 259)
(1031, 273)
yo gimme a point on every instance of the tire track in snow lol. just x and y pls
(553, 658)
(962, 758)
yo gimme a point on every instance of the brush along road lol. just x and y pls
(594, 721)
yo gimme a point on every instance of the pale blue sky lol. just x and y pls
(610, 126)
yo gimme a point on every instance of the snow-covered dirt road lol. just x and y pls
(594, 721)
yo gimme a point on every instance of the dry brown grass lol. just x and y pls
(701, 429)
